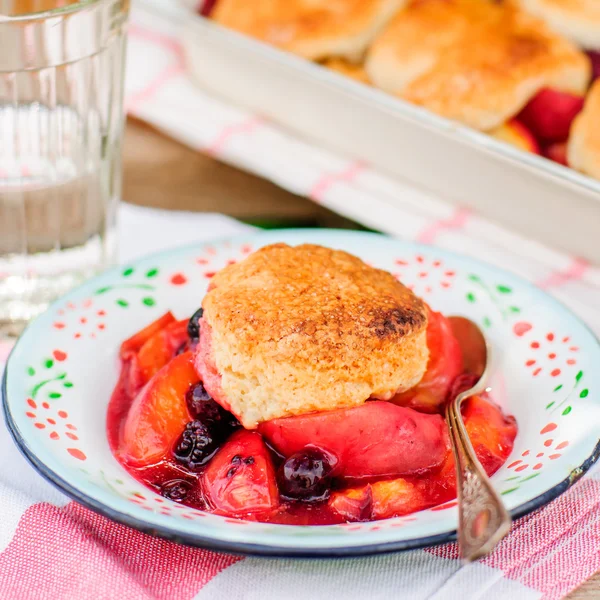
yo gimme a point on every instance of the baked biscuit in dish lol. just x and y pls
(577, 20)
(294, 330)
(314, 30)
(473, 61)
(583, 149)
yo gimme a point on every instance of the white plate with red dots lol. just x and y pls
(60, 375)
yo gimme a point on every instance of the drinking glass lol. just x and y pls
(61, 125)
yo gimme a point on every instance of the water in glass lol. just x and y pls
(61, 74)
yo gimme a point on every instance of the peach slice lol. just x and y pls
(158, 413)
(550, 113)
(444, 366)
(516, 134)
(240, 479)
(557, 152)
(377, 439)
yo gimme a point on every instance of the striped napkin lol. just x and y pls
(53, 548)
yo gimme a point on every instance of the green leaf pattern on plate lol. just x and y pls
(129, 273)
(497, 293)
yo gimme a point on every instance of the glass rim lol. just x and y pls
(52, 12)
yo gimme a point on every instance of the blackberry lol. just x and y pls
(204, 408)
(306, 475)
(196, 445)
(201, 405)
(176, 490)
(193, 328)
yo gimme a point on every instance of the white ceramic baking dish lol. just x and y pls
(523, 191)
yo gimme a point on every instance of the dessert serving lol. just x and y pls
(519, 70)
(185, 458)
(309, 388)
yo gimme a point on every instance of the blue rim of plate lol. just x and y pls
(272, 550)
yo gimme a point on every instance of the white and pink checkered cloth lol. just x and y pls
(53, 548)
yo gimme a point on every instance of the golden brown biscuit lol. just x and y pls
(314, 30)
(474, 61)
(343, 67)
(577, 20)
(583, 149)
(296, 330)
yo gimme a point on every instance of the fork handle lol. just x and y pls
(483, 519)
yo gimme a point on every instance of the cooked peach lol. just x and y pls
(377, 439)
(550, 113)
(515, 133)
(158, 414)
(557, 152)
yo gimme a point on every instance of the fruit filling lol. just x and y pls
(544, 125)
(374, 461)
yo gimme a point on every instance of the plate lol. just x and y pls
(61, 372)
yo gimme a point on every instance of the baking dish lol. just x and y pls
(523, 191)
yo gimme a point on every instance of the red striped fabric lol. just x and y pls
(72, 553)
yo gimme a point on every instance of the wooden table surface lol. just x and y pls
(162, 173)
